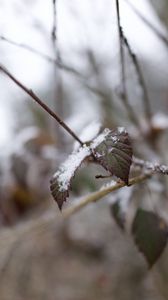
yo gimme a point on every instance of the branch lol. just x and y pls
(148, 23)
(124, 97)
(155, 167)
(41, 103)
(44, 56)
(28, 48)
(54, 29)
(140, 78)
(94, 197)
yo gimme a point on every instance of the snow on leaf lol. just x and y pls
(61, 181)
(100, 138)
(89, 133)
(113, 150)
(150, 234)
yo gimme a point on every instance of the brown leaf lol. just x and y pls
(61, 181)
(114, 153)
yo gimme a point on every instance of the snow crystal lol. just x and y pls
(121, 130)
(101, 137)
(160, 120)
(89, 132)
(115, 139)
(108, 185)
(68, 168)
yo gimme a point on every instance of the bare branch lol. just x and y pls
(94, 197)
(124, 96)
(141, 80)
(151, 169)
(40, 102)
(28, 48)
(155, 167)
(44, 56)
(148, 23)
(54, 30)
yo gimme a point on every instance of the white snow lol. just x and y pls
(121, 130)
(108, 185)
(68, 168)
(101, 137)
(160, 121)
(89, 132)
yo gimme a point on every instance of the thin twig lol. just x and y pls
(44, 56)
(94, 197)
(28, 48)
(41, 103)
(148, 23)
(54, 30)
(124, 96)
(57, 80)
(155, 167)
(140, 78)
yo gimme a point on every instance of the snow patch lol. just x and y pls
(160, 121)
(101, 137)
(68, 168)
(108, 185)
(121, 130)
(89, 132)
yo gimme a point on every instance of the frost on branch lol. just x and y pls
(61, 181)
(114, 153)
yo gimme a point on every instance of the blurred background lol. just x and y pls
(69, 55)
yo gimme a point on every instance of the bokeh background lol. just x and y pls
(77, 74)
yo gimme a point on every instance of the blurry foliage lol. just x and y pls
(161, 8)
(26, 172)
(150, 234)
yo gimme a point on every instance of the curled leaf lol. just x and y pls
(114, 152)
(150, 234)
(61, 181)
